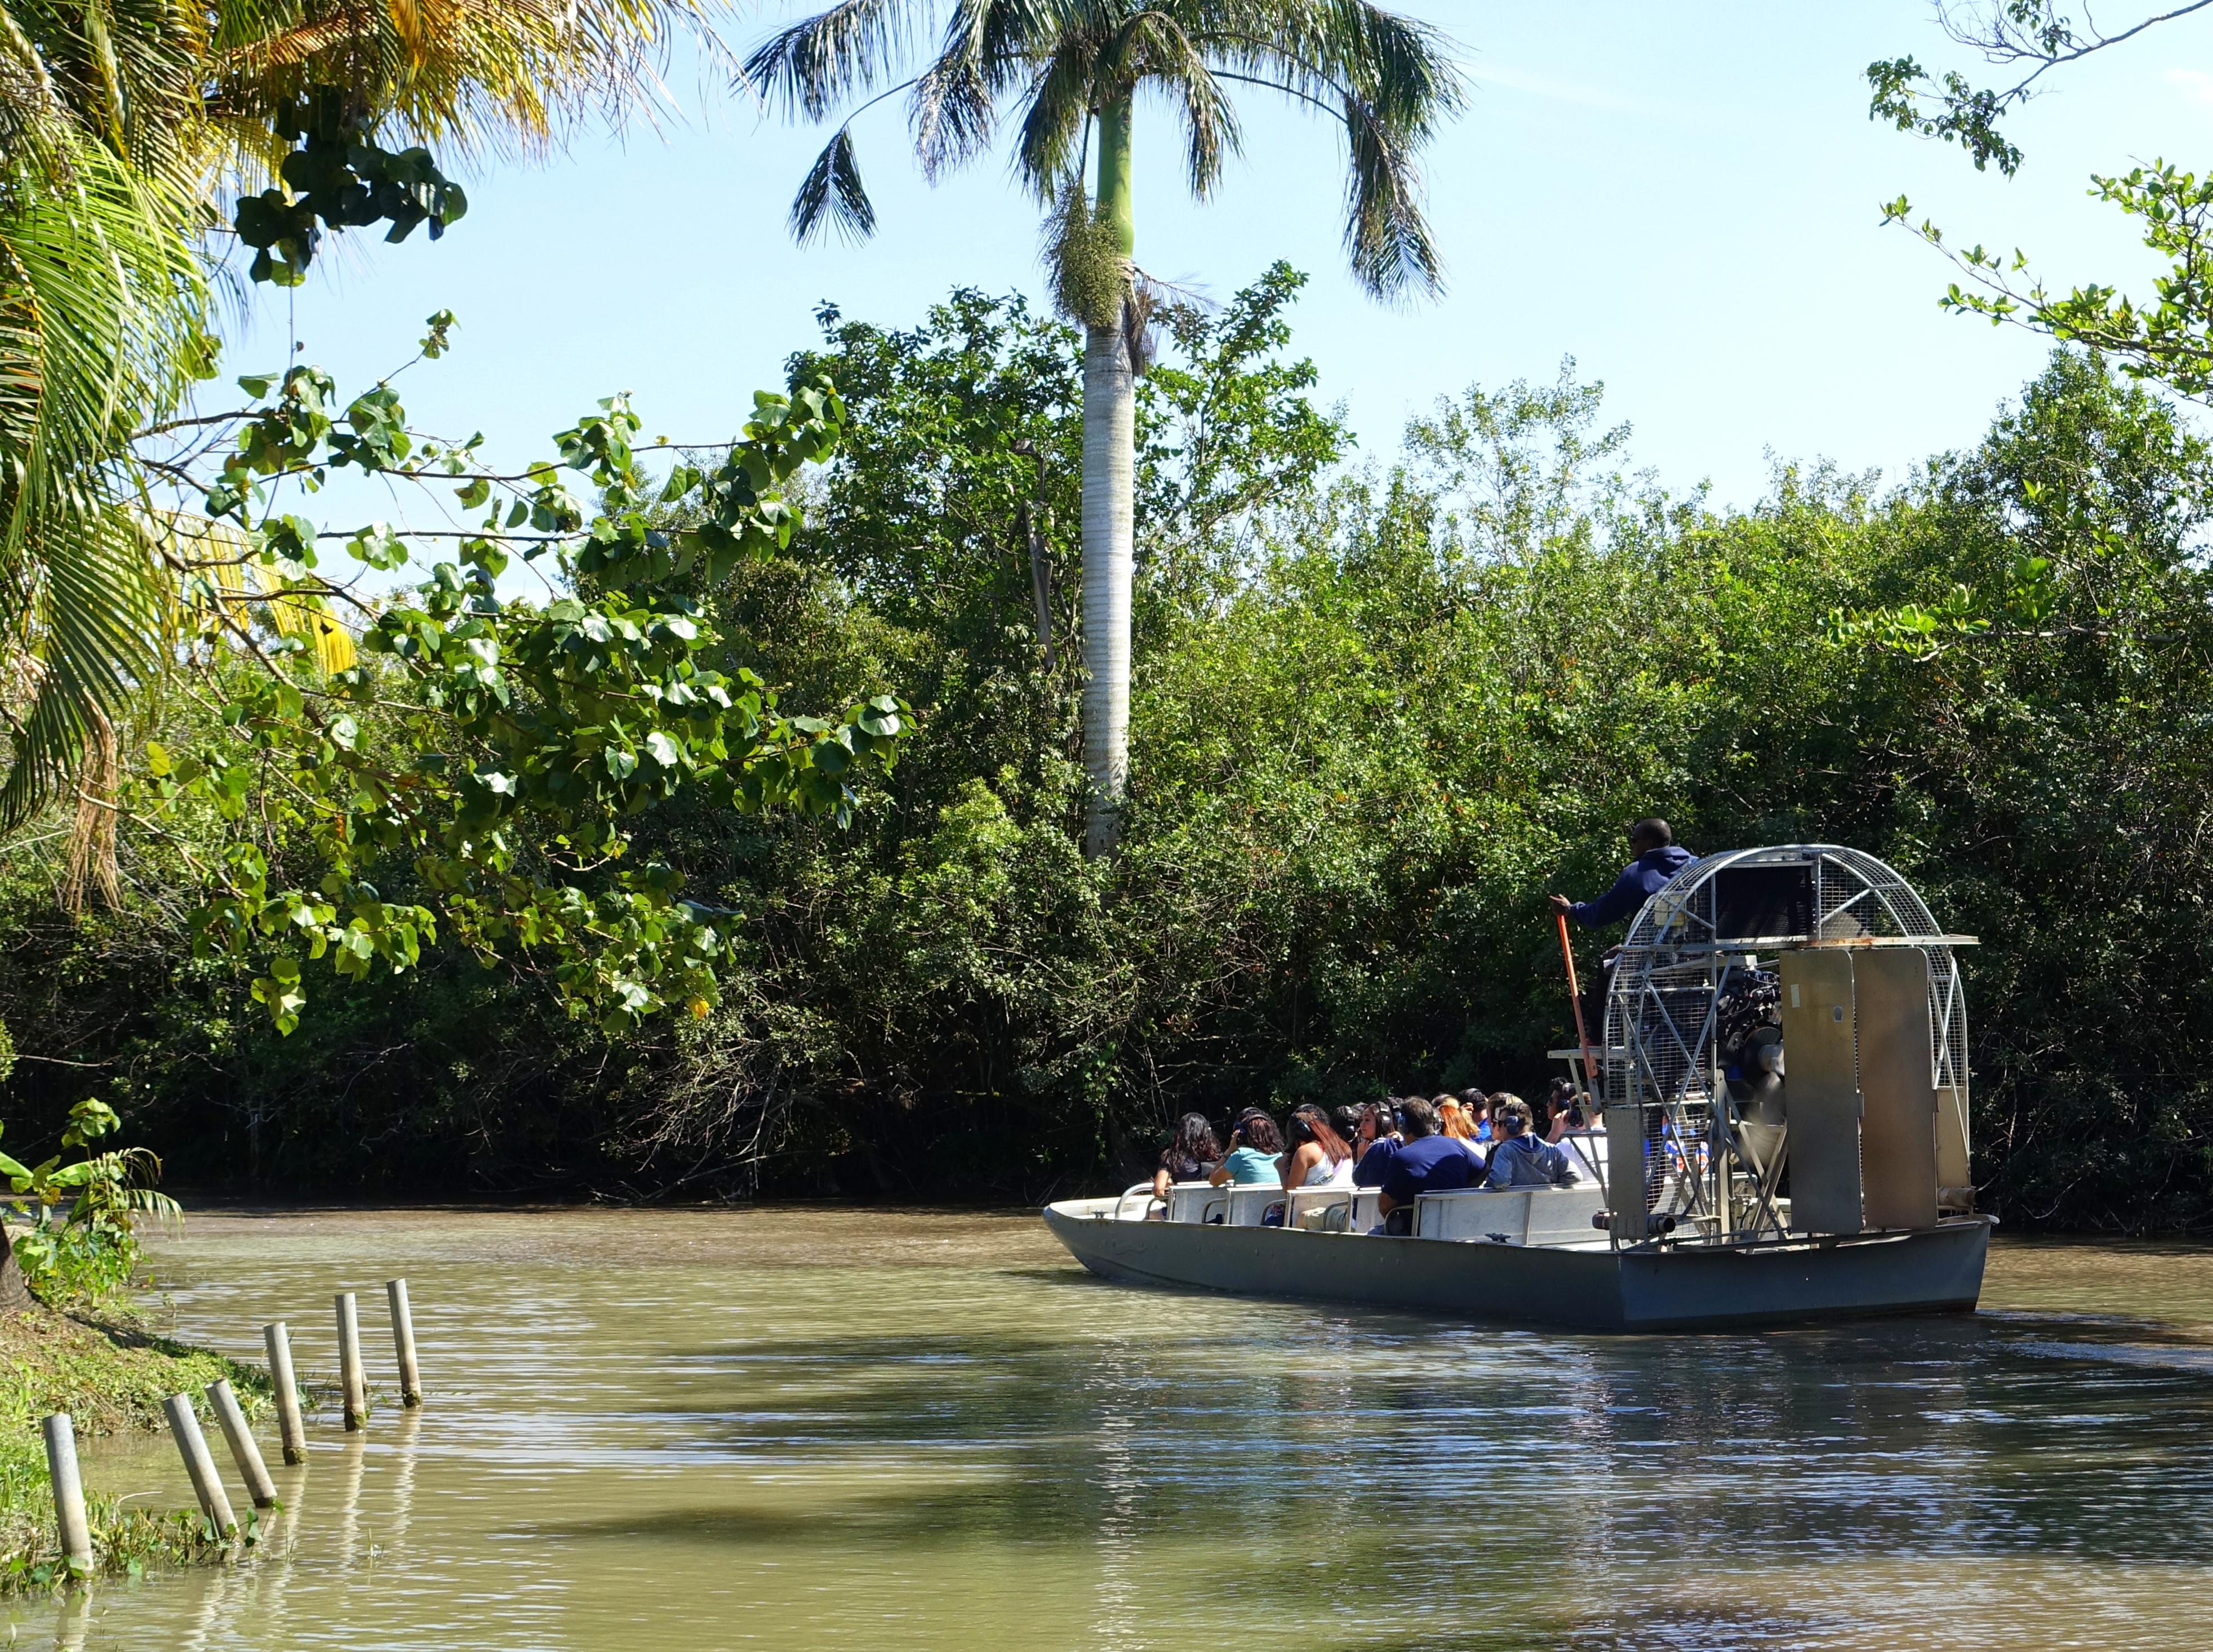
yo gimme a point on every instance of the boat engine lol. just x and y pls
(1748, 1044)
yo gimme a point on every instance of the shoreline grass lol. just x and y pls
(111, 1372)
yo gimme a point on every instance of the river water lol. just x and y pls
(865, 1429)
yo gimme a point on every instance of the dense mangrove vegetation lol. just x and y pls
(1027, 727)
(1384, 700)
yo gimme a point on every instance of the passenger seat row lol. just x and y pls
(1511, 1216)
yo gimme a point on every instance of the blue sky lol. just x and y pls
(1683, 198)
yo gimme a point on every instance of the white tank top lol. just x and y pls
(1329, 1173)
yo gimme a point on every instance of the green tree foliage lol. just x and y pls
(1380, 711)
(87, 1250)
(491, 754)
(126, 135)
(2167, 337)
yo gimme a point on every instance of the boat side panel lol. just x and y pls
(1933, 1271)
(1482, 1281)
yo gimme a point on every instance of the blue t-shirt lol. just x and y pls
(1249, 1164)
(1434, 1164)
(1375, 1163)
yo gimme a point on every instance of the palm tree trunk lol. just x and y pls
(1110, 407)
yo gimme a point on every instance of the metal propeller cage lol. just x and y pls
(1693, 942)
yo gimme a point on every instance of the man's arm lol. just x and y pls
(1616, 902)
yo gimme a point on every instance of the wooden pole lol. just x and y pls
(1576, 997)
(290, 1430)
(351, 1384)
(192, 1445)
(69, 1494)
(403, 1342)
(243, 1451)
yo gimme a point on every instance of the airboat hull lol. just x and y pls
(1590, 1287)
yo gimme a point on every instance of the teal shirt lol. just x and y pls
(1249, 1164)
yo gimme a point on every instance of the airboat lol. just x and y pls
(1782, 1075)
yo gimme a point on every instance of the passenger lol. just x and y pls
(1479, 1112)
(1453, 1121)
(1318, 1157)
(1378, 1128)
(1569, 1113)
(1192, 1156)
(1347, 1121)
(1425, 1162)
(1521, 1160)
(1254, 1147)
(1655, 858)
(1578, 1130)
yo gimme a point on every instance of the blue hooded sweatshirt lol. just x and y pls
(1641, 880)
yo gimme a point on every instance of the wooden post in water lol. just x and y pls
(290, 1430)
(69, 1493)
(192, 1445)
(243, 1451)
(403, 1342)
(351, 1384)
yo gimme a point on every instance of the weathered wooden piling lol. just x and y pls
(243, 1451)
(69, 1493)
(291, 1431)
(403, 1342)
(192, 1445)
(351, 1384)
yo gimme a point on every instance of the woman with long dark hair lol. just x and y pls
(1191, 1157)
(1378, 1122)
(1319, 1157)
(1254, 1147)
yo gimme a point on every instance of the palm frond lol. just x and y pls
(816, 64)
(1059, 102)
(88, 618)
(1153, 47)
(101, 301)
(1386, 233)
(832, 193)
(219, 569)
(468, 77)
(954, 114)
(1388, 78)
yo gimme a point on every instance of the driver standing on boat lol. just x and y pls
(1655, 858)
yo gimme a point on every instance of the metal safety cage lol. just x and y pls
(1696, 941)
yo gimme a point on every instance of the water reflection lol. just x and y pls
(869, 1430)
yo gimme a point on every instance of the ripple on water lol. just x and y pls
(894, 1428)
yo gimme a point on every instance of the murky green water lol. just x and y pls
(880, 1431)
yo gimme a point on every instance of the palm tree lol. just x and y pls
(1067, 72)
(102, 309)
(122, 129)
